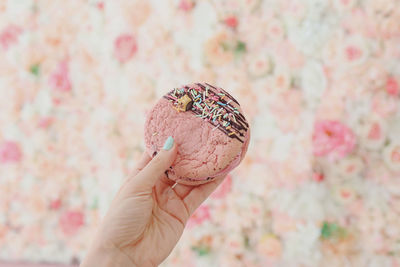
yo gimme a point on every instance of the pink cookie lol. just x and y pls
(208, 126)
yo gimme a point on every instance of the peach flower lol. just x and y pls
(332, 138)
(270, 247)
(218, 49)
(289, 53)
(135, 12)
(282, 223)
(280, 80)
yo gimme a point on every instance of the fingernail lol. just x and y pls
(168, 143)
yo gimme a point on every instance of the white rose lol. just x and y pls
(281, 79)
(391, 156)
(350, 167)
(344, 193)
(314, 30)
(354, 51)
(259, 65)
(313, 82)
(275, 30)
(394, 129)
(373, 133)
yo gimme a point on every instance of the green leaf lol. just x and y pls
(95, 203)
(35, 69)
(332, 230)
(201, 250)
(326, 231)
(240, 47)
(246, 241)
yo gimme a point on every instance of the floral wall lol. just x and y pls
(318, 81)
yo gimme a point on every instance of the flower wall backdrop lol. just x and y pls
(318, 80)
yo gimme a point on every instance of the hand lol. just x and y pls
(148, 216)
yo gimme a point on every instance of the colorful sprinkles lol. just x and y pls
(211, 106)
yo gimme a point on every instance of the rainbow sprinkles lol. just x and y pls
(212, 106)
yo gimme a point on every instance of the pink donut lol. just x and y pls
(208, 126)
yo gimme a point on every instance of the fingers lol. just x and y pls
(144, 160)
(200, 193)
(155, 169)
(181, 190)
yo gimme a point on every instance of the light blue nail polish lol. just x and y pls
(168, 143)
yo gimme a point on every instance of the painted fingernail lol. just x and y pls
(168, 143)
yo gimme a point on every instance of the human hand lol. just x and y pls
(147, 216)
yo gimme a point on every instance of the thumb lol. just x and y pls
(155, 169)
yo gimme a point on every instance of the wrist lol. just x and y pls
(106, 257)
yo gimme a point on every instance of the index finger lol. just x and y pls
(143, 161)
(200, 193)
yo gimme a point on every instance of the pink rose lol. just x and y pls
(125, 47)
(60, 77)
(71, 221)
(223, 189)
(45, 122)
(100, 5)
(353, 53)
(10, 152)
(9, 36)
(332, 138)
(55, 204)
(231, 22)
(186, 5)
(392, 86)
(199, 216)
(318, 177)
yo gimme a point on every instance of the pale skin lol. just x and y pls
(147, 217)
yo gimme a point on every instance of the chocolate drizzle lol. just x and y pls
(211, 106)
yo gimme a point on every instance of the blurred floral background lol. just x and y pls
(318, 80)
